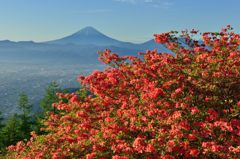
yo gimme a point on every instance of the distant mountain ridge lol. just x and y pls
(81, 46)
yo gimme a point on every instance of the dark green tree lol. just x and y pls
(1, 121)
(17, 126)
(1, 126)
(23, 104)
(11, 132)
(50, 97)
(25, 117)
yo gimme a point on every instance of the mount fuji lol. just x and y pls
(81, 46)
(87, 35)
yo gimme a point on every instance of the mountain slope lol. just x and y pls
(87, 35)
(80, 47)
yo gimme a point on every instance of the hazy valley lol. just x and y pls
(27, 66)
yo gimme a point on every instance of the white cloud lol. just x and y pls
(129, 1)
(148, 1)
(153, 3)
(164, 5)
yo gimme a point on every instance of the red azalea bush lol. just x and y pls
(158, 106)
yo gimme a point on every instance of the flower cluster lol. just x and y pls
(158, 106)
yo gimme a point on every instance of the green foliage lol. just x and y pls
(23, 104)
(1, 121)
(18, 126)
(25, 121)
(82, 93)
(11, 132)
(50, 97)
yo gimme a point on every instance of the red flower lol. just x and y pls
(192, 137)
(194, 110)
(139, 145)
(150, 148)
(74, 99)
(119, 157)
(194, 152)
(91, 155)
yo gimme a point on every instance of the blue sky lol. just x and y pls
(128, 20)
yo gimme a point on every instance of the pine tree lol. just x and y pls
(23, 104)
(1, 121)
(17, 126)
(1, 126)
(50, 97)
(25, 117)
(11, 132)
